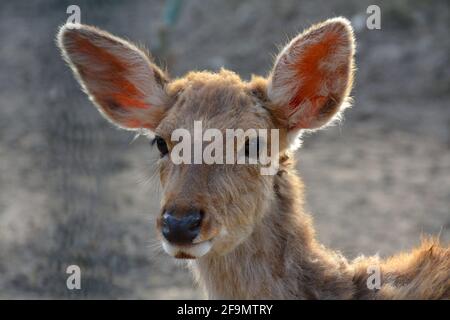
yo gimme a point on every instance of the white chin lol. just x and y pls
(193, 251)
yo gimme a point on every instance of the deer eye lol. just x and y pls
(161, 145)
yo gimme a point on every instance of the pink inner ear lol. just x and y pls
(316, 74)
(113, 81)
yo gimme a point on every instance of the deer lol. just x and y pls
(246, 235)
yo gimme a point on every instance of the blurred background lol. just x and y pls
(74, 190)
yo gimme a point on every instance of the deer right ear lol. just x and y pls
(313, 76)
(127, 88)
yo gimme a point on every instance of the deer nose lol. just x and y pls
(181, 230)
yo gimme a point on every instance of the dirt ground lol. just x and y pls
(74, 190)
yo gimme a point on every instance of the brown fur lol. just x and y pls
(263, 241)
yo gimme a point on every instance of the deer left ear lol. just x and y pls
(121, 80)
(313, 75)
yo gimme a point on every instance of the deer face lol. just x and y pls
(210, 208)
(215, 205)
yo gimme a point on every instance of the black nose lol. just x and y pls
(181, 230)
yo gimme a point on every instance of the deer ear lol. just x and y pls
(313, 75)
(126, 87)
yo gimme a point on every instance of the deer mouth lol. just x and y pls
(192, 251)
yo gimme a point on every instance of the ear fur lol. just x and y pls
(120, 79)
(313, 76)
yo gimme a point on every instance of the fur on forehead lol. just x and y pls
(219, 99)
(198, 80)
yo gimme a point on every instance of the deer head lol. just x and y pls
(212, 208)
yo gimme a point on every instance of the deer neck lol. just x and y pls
(281, 259)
